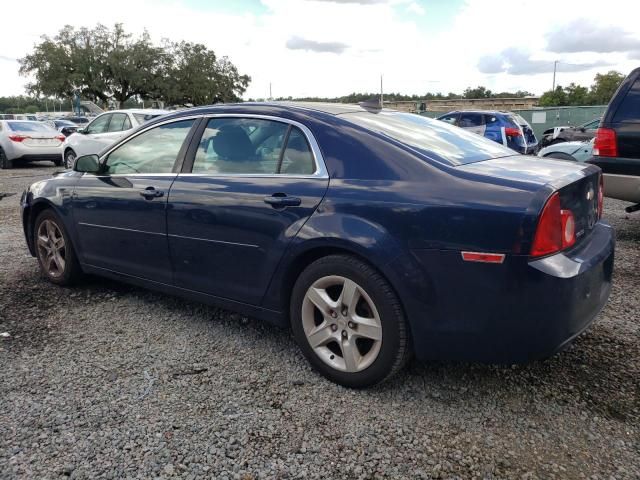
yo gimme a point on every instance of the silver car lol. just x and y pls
(24, 140)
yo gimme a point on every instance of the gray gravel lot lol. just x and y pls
(112, 381)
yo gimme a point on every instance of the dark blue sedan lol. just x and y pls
(373, 234)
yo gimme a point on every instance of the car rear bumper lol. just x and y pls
(18, 151)
(514, 312)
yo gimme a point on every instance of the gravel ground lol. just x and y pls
(111, 381)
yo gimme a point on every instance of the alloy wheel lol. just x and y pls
(51, 248)
(69, 159)
(341, 323)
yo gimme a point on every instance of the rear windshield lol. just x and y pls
(629, 109)
(439, 140)
(145, 117)
(28, 127)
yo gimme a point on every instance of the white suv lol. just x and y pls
(106, 129)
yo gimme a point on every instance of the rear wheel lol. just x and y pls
(5, 163)
(55, 253)
(69, 158)
(348, 322)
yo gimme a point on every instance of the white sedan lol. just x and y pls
(25, 140)
(106, 129)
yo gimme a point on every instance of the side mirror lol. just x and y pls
(82, 130)
(87, 164)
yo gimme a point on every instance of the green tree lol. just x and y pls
(604, 86)
(111, 65)
(554, 98)
(478, 92)
(577, 95)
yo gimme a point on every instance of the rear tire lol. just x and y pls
(5, 163)
(54, 251)
(348, 322)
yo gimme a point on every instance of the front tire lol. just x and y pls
(69, 158)
(55, 253)
(5, 163)
(348, 322)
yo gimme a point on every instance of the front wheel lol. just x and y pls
(55, 253)
(69, 158)
(348, 322)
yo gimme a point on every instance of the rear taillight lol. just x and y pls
(606, 143)
(17, 138)
(556, 229)
(601, 196)
(512, 132)
(61, 138)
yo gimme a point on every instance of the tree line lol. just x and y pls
(111, 66)
(600, 93)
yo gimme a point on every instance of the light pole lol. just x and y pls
(555, 66)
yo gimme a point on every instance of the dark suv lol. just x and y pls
(617, 145)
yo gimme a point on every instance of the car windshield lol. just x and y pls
(145, 117)
(28, 127)
(439, 140)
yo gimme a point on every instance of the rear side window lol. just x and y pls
(629, 109)
(297, 158)
(445, 143)
(490, 119)
(240, 146)
(117, 122)
(470, 120)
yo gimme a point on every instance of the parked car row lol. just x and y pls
(61, 140)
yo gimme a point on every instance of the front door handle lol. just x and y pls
(150, 193)
(281, 200)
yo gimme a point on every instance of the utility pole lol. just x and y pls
(555, 66)
(270, 95)
(381, 95)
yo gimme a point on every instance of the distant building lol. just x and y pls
(518, 103)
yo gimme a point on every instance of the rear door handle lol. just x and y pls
(281, 200)
(150, 193)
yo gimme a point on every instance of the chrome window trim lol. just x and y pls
(318, 159)
(321, 169)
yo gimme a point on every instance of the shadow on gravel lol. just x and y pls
(598, 373)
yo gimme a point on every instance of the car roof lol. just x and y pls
(490, 112)
(139, 110)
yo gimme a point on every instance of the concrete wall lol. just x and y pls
(443, 106)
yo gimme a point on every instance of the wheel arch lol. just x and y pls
(29, 215)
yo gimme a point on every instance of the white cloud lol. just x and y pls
(379, 37)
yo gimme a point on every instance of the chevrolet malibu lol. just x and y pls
(373, 234)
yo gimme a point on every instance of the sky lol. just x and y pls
(329, 48)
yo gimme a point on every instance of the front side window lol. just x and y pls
(99, 125)
(240, 146)
(154, 151)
